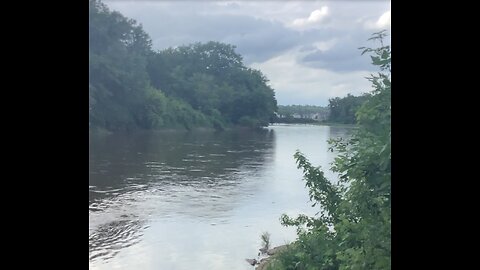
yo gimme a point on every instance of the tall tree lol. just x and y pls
(118, 48)
(212, 78)
(343, 110)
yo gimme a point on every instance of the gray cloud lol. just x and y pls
(264, 41)
(343, 57)
(257, 39)
(301, 70)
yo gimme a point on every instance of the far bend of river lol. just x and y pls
(197, 200)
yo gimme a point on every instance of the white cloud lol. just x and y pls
(228, 3)
(315, 17)
(318, 14)
(383, 22)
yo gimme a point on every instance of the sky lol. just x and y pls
(307, 49)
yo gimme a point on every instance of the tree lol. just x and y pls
(212, 78)
(353, 227)
(118, 48)
(307, 113)
(343, 110)
(202, 84)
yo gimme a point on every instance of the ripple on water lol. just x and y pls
(108, 239)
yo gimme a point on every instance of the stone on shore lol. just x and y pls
(275, 250)
(251, 261)
(265, 261)
(263, 264)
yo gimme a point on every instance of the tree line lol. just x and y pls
(300, 114)
(131, 86)
(340, 110)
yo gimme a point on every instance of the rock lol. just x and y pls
(276, 249)
(263, 263)
(263, 250)
(251, 261)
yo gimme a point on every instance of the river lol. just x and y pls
(197, 200)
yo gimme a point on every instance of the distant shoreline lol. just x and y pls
(318, 124)
(102, 131)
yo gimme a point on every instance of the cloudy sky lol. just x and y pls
(307, 49)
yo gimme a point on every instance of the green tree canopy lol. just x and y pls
(202, 84)
(212, 78)
(343, 110)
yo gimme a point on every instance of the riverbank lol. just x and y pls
(316, 123)
(334, 124)
(265, 261)
(104, 132)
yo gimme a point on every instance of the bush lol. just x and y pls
(353, 228)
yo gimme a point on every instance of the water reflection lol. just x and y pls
(148, 176)
(197, 200)
(341, 131)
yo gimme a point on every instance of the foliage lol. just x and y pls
(343, 110)
(301, 113)
(353, 228)
(131, 86)
(265, 237)
(118, 48)
(302, 110)
(211, 77)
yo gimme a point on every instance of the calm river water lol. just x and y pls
(197, 200)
